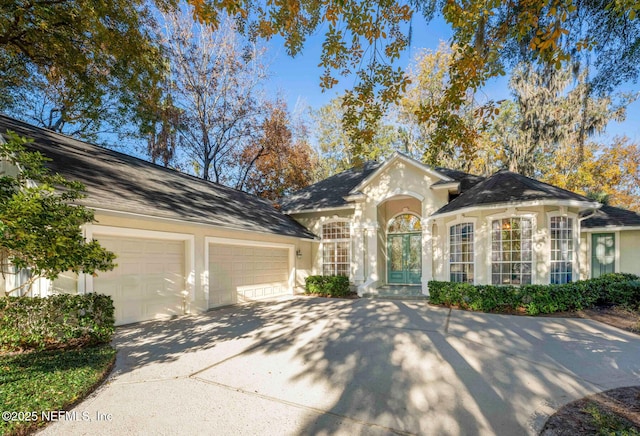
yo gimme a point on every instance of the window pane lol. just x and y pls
(405, 223)
(461, 253)
(511, 251)
(335, 248)
(561, 255)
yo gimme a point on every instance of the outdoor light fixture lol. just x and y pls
(299, 254)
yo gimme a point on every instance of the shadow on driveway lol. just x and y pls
(385, 366)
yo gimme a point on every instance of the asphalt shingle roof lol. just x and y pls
(118, 182)
(467, 181)
(508, 187)
(329, 193)
(610, 216)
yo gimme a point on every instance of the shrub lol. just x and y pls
(58, 321)
(619, 289)
(327, 286)
(625, 294)
(542, 299)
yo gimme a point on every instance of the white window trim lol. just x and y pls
(512, 213)
(575, 276)
(447, 251)
(329, 220)
(85, 281)
(208, 240)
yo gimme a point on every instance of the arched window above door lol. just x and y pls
(405, 223)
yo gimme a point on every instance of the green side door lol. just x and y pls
(603, 254)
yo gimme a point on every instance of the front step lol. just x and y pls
(396, 297)
(397, 293)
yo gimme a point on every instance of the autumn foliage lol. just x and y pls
(279, 162)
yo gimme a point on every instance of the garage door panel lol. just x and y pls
(148, 281)
(246, 273)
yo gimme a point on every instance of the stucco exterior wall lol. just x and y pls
(482, 219)
(401, 179)
(313, 221)
(401, 187)
(627, 250)
(302, 265)
(630, 251)
(584, 258)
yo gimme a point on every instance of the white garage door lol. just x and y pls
(148, 281)
(243, 273)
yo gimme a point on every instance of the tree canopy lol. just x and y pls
(365, 37)
(40, 221)
(84, 60)
(100, 61)
(280, 161)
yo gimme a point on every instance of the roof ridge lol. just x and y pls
(531, 182)
(121, 154)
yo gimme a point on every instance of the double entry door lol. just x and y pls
(404, 258)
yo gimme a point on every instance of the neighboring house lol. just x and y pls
(188, 245)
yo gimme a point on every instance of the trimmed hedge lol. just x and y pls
(327, 286)
(58, 321)
(617, 289)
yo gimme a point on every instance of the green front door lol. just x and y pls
(405, 259)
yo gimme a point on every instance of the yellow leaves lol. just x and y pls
(327, 81)
(331, 14)
(613, 169)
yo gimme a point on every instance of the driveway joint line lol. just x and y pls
(147, 380)
(506, 353)
(446, 323)
(540, 364)
(253, 347)
(302, 406)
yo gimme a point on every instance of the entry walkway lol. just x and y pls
(310, 366)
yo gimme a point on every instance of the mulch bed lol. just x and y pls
(573, 419)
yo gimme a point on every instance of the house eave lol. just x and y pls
(193, 222)
(355, 197)
(451, 186)
(320, 209)
(569, 203)
(608, 229)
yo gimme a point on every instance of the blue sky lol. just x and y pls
(297, 79)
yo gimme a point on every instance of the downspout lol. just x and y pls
(592, 214)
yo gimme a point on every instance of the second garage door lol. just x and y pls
(148, 281)
(240, 273)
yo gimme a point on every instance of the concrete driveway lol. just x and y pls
(321, 366)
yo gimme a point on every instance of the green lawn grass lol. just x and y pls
(608, 423)
(45, 381)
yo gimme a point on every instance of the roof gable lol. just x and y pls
(505, 187)
(122, 183)
(395, 157)
(338, 191)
